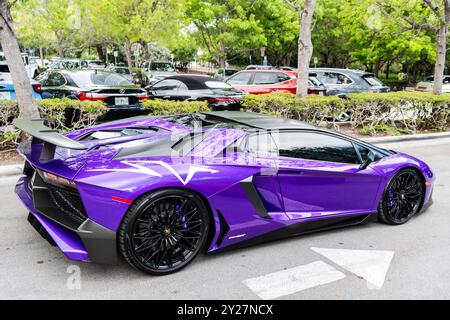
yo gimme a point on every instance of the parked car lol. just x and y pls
(258, 67)
(223, 74)
(272, 81)
(220, 95)
(340, 82)
(58, 63)
(93, 64)
(31, 66)
(153, 71)
(7, 91)
(428, 84)
(124, 72)
(94, 85)
(159, 190)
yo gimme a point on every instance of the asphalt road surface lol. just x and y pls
(372, 261)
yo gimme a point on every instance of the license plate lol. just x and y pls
(5, 95)
(121, 101)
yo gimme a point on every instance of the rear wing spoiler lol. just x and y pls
(51, 137)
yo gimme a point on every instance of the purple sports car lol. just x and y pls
(157, 190)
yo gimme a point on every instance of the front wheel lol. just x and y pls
(164, 231)
(402, 198)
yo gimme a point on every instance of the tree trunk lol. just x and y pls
(41, 55)
(24, 92)
(100, 52)
(305, 48)
(441, 48)
(127, 48)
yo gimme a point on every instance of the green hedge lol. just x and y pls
(66, 114)
(159, 107)
(405, 111)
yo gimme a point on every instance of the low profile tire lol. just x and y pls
(402, 198)
(164, 231)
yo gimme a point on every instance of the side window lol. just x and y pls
(55, 79)
(166, 85)
(266, 78)
(183, 87)
(283, 77)
(262, 144)
(363, 152)
(315, 146)
(242, 78)
(335, 78)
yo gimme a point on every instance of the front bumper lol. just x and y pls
(85, 241)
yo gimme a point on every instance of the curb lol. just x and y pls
(411, 137)
(11, 170)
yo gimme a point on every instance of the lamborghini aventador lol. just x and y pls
(158, 190)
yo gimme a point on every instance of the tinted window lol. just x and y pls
(4, 68)
(55, 79)
(262, 144)
(315, 146)
(363, 152)
(167, 85)
(162, 67)
(333, 78)
(240, 78)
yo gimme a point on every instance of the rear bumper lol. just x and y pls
(87, 242)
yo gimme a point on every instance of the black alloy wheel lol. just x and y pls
(164, 231)
(402, 198)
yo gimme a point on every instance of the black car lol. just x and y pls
(340, 82)
(220, 95)
(94, 85)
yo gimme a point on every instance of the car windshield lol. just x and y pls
(121, 70)
(162, 66)
(374, 82)
(217, 85)
(99, 78)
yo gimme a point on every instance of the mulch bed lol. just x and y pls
(9, 156)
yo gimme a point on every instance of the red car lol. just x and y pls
(272, 81)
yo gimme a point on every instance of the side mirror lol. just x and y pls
(370, 158)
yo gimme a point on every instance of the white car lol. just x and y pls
(31, 66)
(428, 84)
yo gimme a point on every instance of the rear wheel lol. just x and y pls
(164, 231)
(402, 198)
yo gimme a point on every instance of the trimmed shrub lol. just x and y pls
(160, 107)
(403, 111)
(66, 114)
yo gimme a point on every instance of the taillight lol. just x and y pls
(143, 96)
(90, 96)
(37, 87)
(222, 100)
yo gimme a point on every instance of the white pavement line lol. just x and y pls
(281, 283)
(372, 265)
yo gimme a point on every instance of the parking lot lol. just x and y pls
(411, 261)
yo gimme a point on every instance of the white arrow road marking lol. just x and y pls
(372, 265)
(281, 283)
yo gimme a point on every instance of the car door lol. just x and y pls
(55, 85)
(319, 176)
(263, 188)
